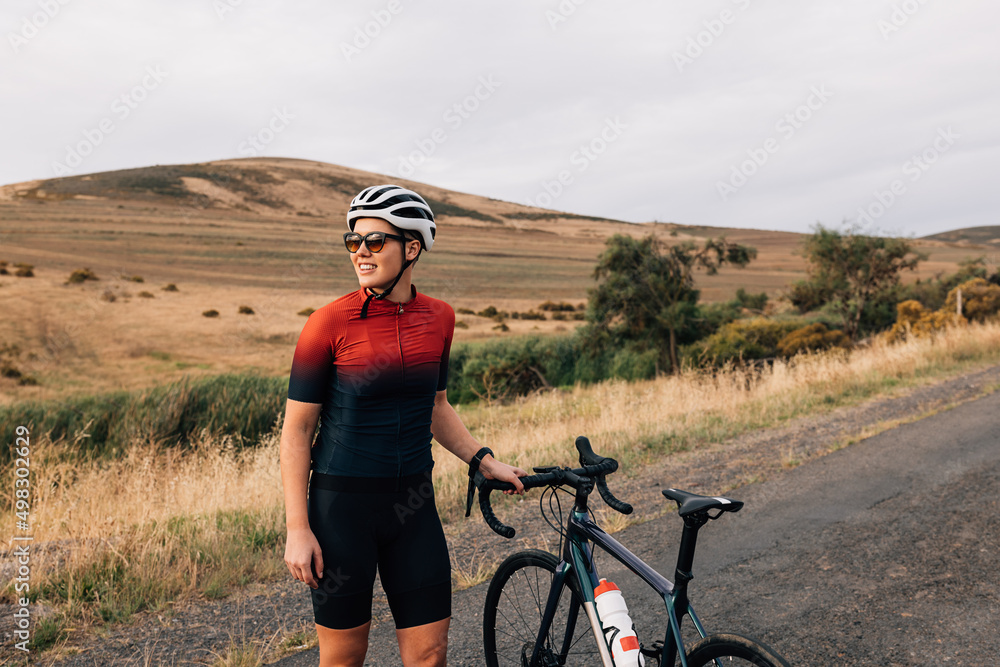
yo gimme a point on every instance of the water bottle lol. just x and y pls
(619, 630)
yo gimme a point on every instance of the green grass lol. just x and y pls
(47, 632)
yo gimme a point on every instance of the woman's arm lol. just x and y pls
(302, 550)
(449, 430)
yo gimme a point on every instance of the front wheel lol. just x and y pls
(512, 617)
(729, 650)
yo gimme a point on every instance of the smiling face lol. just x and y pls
(378, 270)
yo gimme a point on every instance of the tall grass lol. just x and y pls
(121, 534)
(113, 537)
(241, 405)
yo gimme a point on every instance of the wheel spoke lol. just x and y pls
(515, 606)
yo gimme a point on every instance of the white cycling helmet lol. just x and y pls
(399, 207)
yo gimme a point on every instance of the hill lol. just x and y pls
(978, 236)
(264, 234)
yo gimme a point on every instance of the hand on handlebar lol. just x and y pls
(493, 475)
(503, 472)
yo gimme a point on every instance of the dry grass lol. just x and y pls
(633, 421)
(150, 520)
(148, 484)
(153, 525)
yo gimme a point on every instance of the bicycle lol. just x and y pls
(532, 614)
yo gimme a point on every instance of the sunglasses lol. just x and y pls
(374, 240)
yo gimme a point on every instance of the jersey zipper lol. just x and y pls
(402, 373)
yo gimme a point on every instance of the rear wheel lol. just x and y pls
(729, 650)
(512, 617)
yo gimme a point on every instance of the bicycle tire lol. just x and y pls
(515, 603)
(733, 650)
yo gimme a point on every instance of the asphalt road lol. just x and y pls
(882, 553)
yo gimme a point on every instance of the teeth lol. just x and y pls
(366, 267)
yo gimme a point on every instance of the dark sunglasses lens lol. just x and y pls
(353, 242)
(375, 241)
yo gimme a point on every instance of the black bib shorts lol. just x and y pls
(389, 524)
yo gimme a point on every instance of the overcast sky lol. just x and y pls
(745, 113)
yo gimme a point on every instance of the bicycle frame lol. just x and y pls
(578, 560)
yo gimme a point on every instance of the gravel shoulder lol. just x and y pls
(893, 580)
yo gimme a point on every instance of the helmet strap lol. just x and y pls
(385, 292)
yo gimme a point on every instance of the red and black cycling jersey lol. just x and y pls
(376, 379)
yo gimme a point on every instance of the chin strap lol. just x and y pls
(385, 292)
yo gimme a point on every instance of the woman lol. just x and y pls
(374, 365)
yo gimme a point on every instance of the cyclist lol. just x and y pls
(373, 364)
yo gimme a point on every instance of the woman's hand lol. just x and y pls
(493, 469)
(301, 552)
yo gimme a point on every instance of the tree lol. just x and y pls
(855, 273)
(647, 291)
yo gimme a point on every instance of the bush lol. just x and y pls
(459, 324)
(170, 287)
(465, 311)
(306, 311)
(506, 367)
(933, 292)
(146, 295)
(531, 315)
(980, 299)
(751, 301)
(109, 296)
(210, 313)
(81, 275)
(807, 296)
(742, 340)
(562, 306)
(137, 279)
(24, 270)
(246, 310)
(811, 338)
(488, 311)
(629, 364)
(914, 320)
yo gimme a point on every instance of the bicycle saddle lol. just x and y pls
(689, 503)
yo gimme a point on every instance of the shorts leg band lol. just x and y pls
(421, 606)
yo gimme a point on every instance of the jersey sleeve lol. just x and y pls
(312, 364)
(448, 326)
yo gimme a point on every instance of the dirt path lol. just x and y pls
(878, 554)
